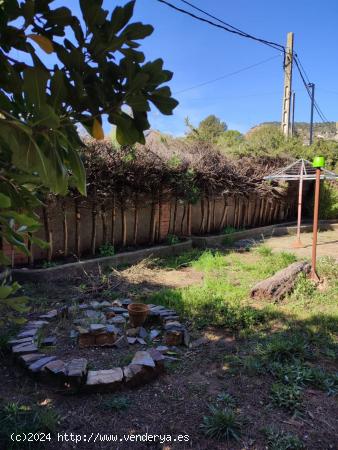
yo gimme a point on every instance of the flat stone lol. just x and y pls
(117, 309)
(36, 324)
(167, 312)
(26, 340)
(49, 341)
(83, 306)
(116, 303)
(156, 355)
(91, 314)
(171, 318)
(97, 327)
(174, 326)
(132, 332)
(154, 334)
(157, 308)
(162, 348)
(126, 301)
(50, 315)
(28, 333)
(29, 358)
(125, 315)
(186, 338)
(82, 330)
(199, 342)
(40, 363)
(113, 329)
(24, 348)
(117, 320)
(105, 304)
(121, 342)
(143, 358)
(110, 379)
(56, 367)
(77, 368)
(94, 304)
(142, 333)
(131, 340)
(136, 375)
(141, 341)
(73, 334)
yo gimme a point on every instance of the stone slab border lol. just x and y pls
(282, 229)
(74, 376)
(76, 269)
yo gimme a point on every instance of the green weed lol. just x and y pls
(222, 424)
(116, 403)
(16, 418)
(288, 397)
(227, 399)
(106, 250)
(278, 440)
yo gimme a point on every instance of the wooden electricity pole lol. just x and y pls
(286, 111)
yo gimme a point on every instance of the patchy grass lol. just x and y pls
(285, 396)
(18, 418)
(116, 403)
(222, 424)
(279, 440)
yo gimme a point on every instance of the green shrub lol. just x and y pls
(222, 424)
(172, 239)
(116, 403)
(328, 204)
(288, 397)
(284, 348)
(278, 440)
(106, 250)
(17, 418)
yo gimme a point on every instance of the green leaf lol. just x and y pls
(137, 30)
(164, 104)
(58, 88)
(5, 202)
(46, 117)
(121, 16)
(34, 85)
(5, 291)
(78, 170)
(39, 242)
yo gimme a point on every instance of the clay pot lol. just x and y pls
(138, 313)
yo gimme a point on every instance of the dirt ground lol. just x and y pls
(177, 401)
(327, 244)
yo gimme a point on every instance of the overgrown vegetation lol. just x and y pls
(16, 418)
(222, 424)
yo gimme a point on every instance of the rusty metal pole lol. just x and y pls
(314, 275)
(298, 243)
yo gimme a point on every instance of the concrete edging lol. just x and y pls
(268, 231)
(77, 269)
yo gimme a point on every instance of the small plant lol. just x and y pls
(227, 399)
(264, 250)
(222, 424)
(48, 264)
(17, 419)
(231, 230)
(283, 348)
(288, 397)
(119, 403)
(172, 239)
(278, 440)
(106, 250)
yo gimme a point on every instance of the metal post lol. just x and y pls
(312, 87)
(298, 243)
(314, 275)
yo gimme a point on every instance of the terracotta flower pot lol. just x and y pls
(138, 313)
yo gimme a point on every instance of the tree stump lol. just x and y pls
(280, 284)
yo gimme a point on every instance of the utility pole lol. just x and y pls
(293, 114)
(288, 60)
(312, 87)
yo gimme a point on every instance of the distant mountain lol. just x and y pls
(327, 131)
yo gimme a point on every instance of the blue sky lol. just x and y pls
(197, 53)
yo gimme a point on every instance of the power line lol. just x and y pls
(243, 33)
(234, 30)
(228, 28)
(227, 75)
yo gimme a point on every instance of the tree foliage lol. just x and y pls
(209, 129)
(57, 72)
